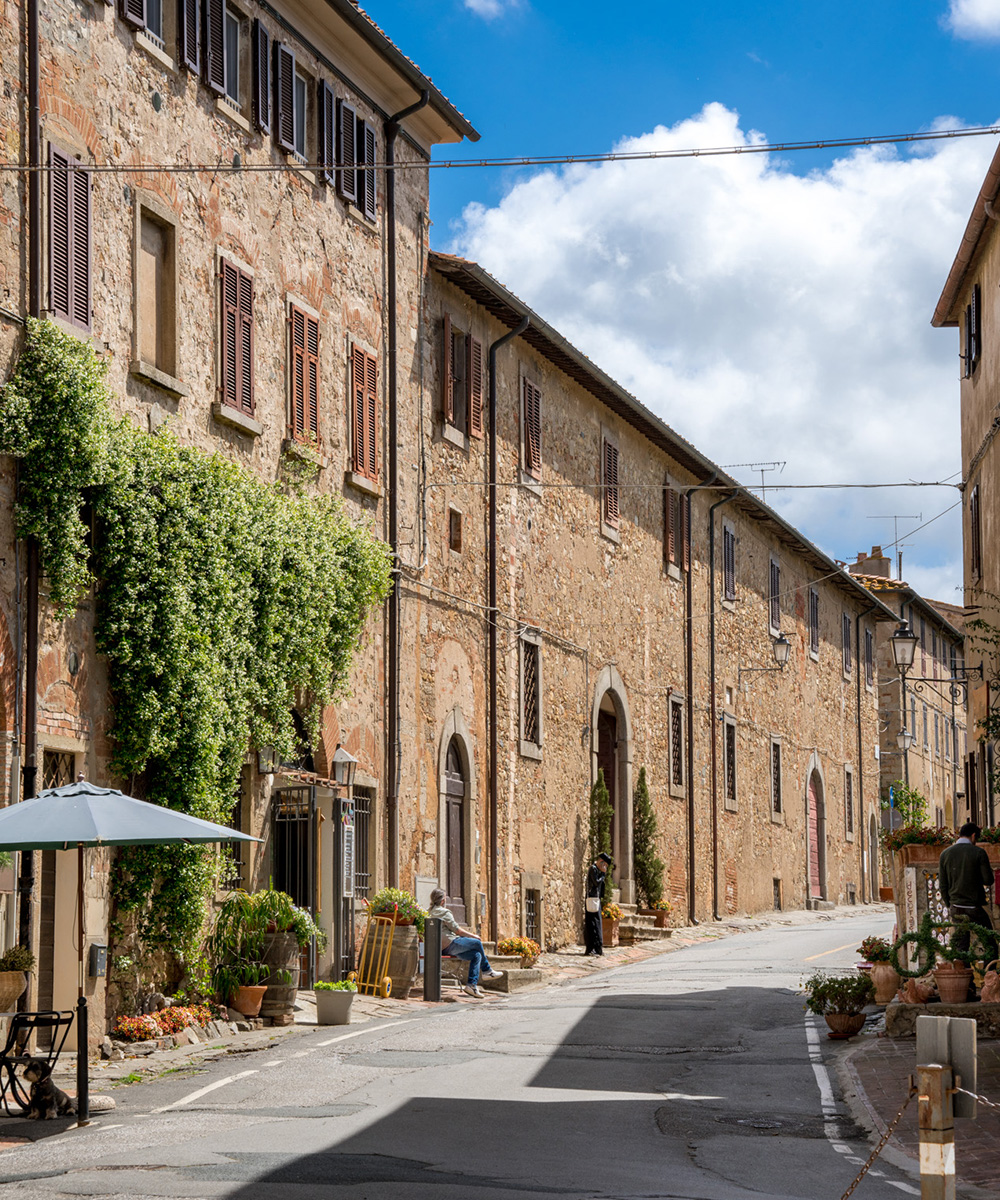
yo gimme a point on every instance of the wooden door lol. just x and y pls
(454, 788)
(607, 754)
(815, 877)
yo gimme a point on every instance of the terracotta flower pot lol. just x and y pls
(527, 962)
(247, 1000)
(609, 931)
(658, 915)
(886, 981)
(844, 1025)
(953, 981)
(12, 984)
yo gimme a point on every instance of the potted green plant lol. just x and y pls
(289, 931)
(334, 1000)
(951, 967)
(876, 951)
(840, 1000)
(404, 956)
(15, 965)
(611, 914)
(236, 948)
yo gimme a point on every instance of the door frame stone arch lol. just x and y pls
(815, 767)
(455, 727)
(609, 683)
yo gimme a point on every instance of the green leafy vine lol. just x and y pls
(223, 602)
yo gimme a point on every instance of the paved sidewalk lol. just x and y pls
(880, 1070)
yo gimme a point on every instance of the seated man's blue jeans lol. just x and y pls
(472, 950)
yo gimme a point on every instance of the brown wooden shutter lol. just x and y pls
(246, 344)
(60, 203)
(611, 507)
(532, 405)
(670, 525)
(729, 563)
(188, 31)
(775, 596)
(297, 320)
(230, 278)
(366, 144)
(284, 97)
(347, 141)
(448, 373)
(134, 13)
(215, 45)
(358, 408)
(371, 415)
(327, 132)
(474, 385)
(684, 507)
(261, 77)
(80, 253)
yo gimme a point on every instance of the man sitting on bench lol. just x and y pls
(457, 942)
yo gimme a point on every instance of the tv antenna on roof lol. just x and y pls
(762, 467)
(895, 518)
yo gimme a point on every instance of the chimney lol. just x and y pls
(875, 563)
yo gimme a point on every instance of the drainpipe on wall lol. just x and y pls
(491, 625)
(393, 743)
(26, 879)
(712, 700)
(861, 763)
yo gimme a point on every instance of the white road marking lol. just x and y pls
(358, 1032)
(211, 1087)
(903, 1187)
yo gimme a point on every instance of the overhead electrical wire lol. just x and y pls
(237, 166)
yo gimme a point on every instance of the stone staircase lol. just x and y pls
(514, 978)
(640, 928)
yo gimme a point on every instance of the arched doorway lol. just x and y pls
(611, 731)
(873, 851)
(817, 838)
(455, 788)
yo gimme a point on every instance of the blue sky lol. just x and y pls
(768, 307)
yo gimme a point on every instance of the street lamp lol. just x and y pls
(904, 646)
(904, 739)
(781, 648)
(344, 766)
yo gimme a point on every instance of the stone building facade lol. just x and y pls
(219, 293)
(930, 704)
(968, 303)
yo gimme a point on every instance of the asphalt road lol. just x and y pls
(694, 1074)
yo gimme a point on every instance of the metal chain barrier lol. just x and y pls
(882, 1141)
(978, 1098)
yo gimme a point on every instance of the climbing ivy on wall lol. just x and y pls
(222, 602)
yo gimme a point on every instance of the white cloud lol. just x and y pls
(974, 19)
(490, 8)
(763, 314)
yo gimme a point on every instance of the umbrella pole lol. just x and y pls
(82, 1033)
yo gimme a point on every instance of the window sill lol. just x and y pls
(160, 379)
(814, 655)
(357, 215)
(299, 168)
(304, 452)
(848, 837)
(230, 113)
(678, 793)
(454, 437)
(227, 415)
(529, 482)
(729, 807)
(154, 51)
(728, 605)
(530, 750)
(777, 818)
(362, 483)
(673, 572)
(611, 532)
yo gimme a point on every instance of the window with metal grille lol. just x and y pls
(729, 764)
(849, 800)
(776, 777)
(676, 743)
(869, 658)
(364, 815)
(728, 563)
(532, 914)
(845, 633)
(813, 621)
(57, 768)
(774, 596)
(455, 530)
(531, 726)
(975, 535)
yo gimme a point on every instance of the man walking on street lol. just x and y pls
(593, 933)
(965, 877)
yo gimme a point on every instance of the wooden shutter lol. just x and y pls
(814, 621)
(347, 141)
(327, 132)
(774, 598)
(474, 385)
(729, 563)
(610, 483)
(670, 525)
(284, 96)
(967, 356)
(684, 509)
(448, 373)
(364, 383)
(305, 375)
(246, 344)
(215, 45)
(261, 77)
(532, 405)
(366, 145)
(188, 31)
(371, 414)
(977, 325)
(237, 338)
(80, 249)
(60, 206)
(134, 13)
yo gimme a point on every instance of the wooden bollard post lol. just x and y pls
(935, 1118)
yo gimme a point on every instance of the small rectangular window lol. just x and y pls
(927, 742)
(975, 535)
(364, 413)
(973, 331)
(609, 461)
(729, 764)
(300, 111)
(154, 21)
(155, 294)
(531, 428)
(57, 768)
(728, 563)
(531, 694)
(454, 530)
(813, 621)
(776, 777)
(774, 596)
(849, 801)
(232, 70)
(845, 633)
(676, 743)
(937, 734)
(869, 658)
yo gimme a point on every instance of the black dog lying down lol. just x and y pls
(46, 1100)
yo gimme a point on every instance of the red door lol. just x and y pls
(815, 880)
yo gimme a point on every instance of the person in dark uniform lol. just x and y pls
(965, 878)
(593, 936)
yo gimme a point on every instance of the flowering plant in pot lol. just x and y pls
(875, 951)
(841, 1000)
(334, 1000)
(611, 914)
(15, 965)
(236, 947)
(403, 904)
(527, 948)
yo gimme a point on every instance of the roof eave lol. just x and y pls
(945, 313)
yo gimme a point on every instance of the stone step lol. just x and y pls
(645, 933)
(513, 981)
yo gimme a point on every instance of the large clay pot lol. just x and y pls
(658, 914)
(404, 959)
(333, 1008)
(247, 1000)
(12, 984)
(609, 930)
(281, 954)
(953, 981)
(844, 1025)
(886, 981)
